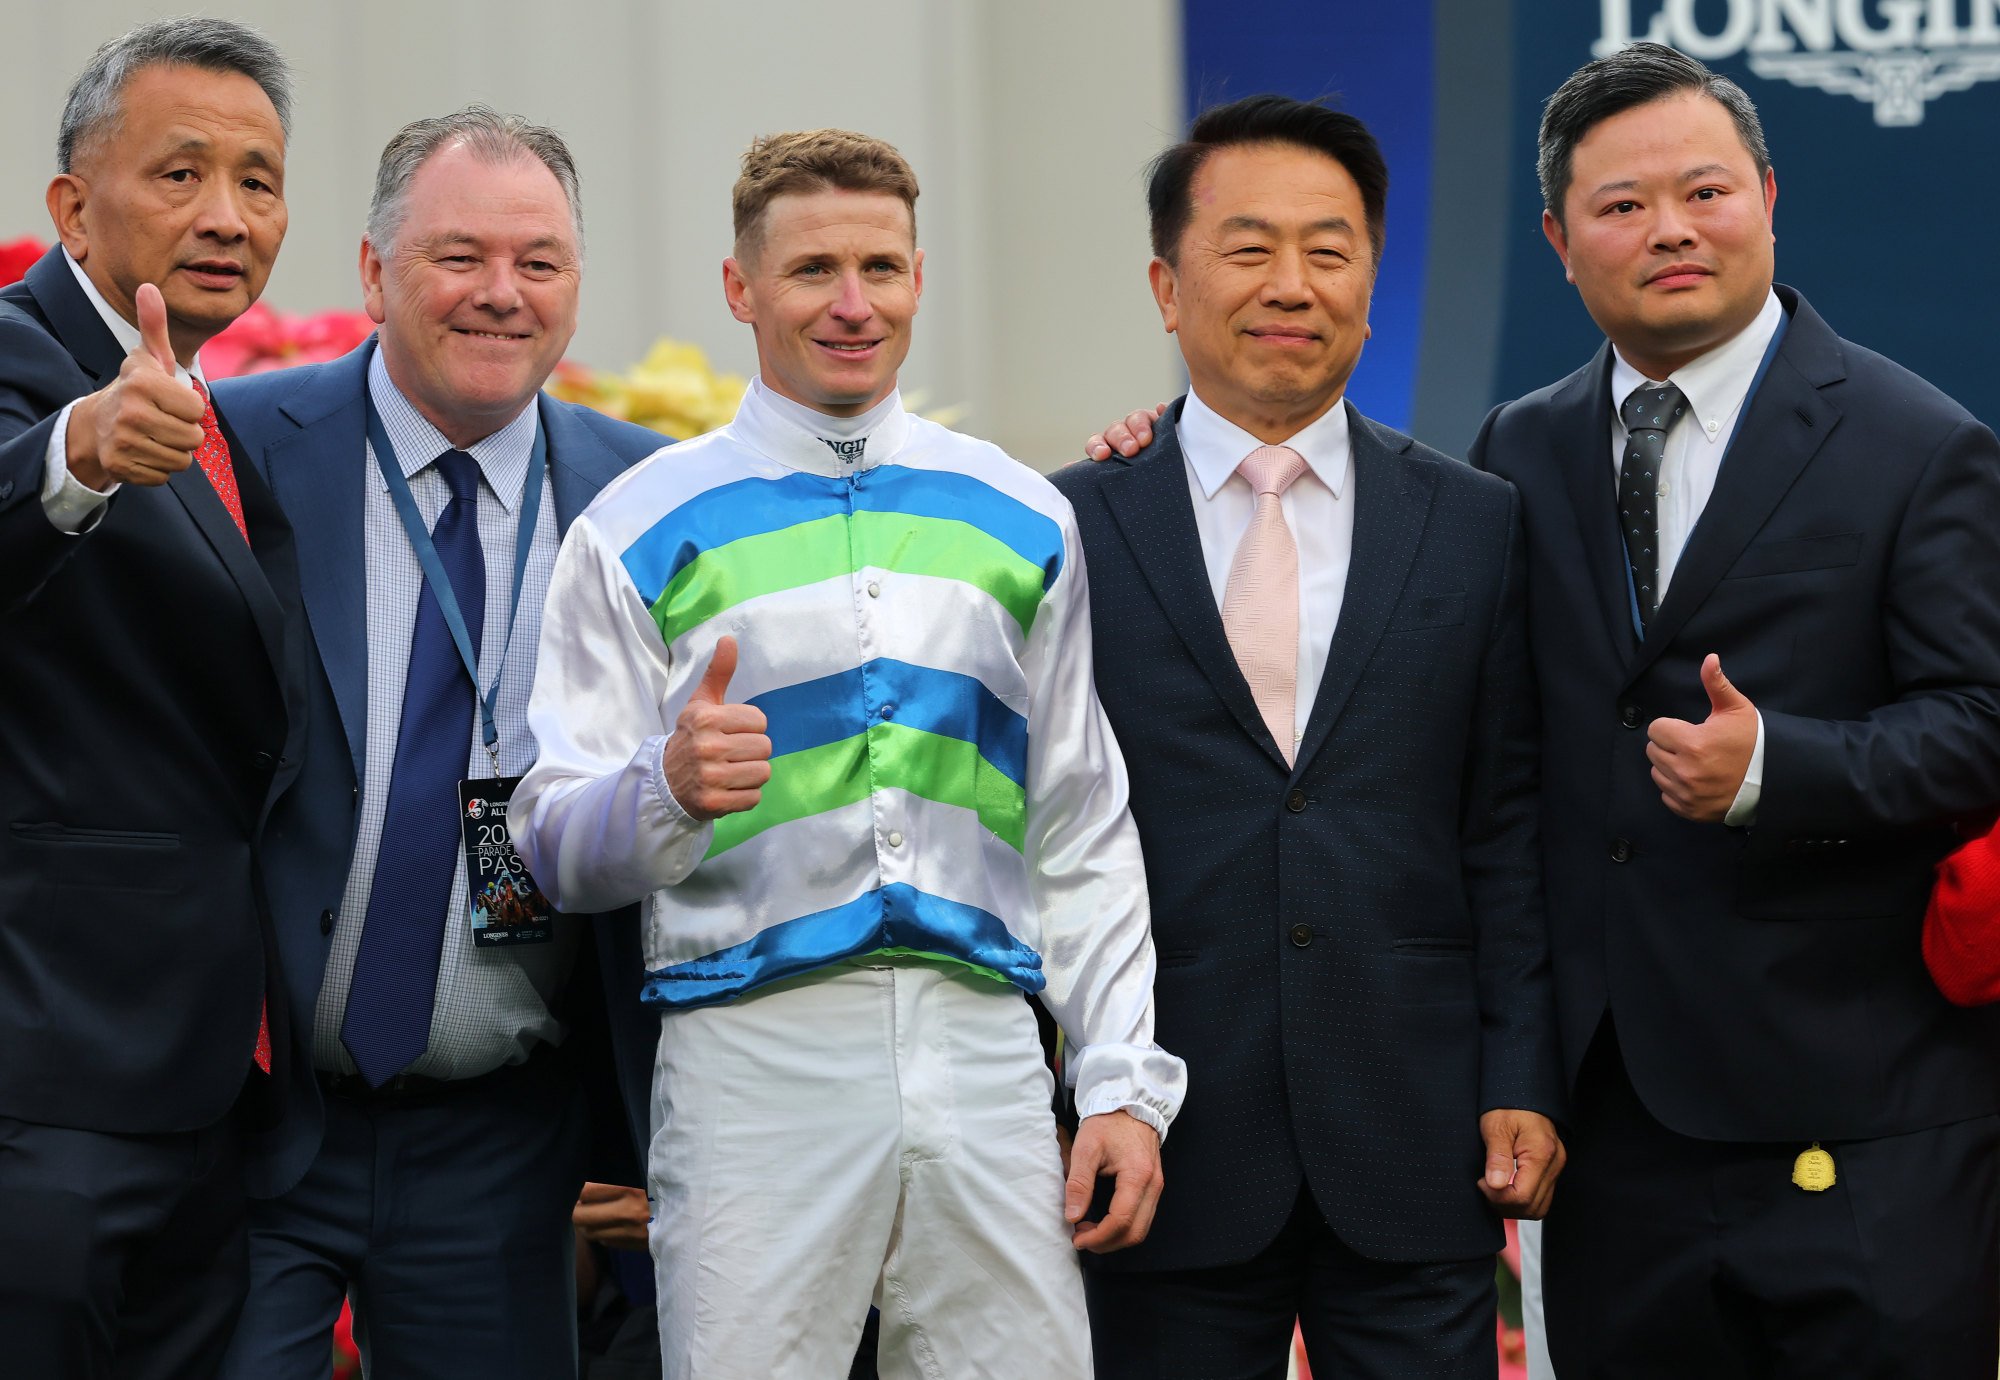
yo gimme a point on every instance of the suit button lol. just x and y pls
(326, 922)
(265, 762)
(1296, 802)
(1621, 850)
(1302, 935)
(6, 489)
(1628, 715)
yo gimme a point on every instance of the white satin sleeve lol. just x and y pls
(1086, 870)
(594, 819)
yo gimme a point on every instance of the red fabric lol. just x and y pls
(17, 257)
(213, 457)
(1962, 926)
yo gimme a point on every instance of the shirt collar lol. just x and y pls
(502, 456)
(1716, 383)
(123, 331)
(761, 426)
(1214, 446)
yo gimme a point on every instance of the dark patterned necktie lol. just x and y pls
(387, 1024)
(1650, 412)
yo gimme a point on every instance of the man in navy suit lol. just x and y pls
(441, 1127)
(1310, 638)
(1765, 613)
(150, 712)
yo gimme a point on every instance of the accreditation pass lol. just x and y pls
(507, 906)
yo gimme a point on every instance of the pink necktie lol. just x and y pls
(1260, 604)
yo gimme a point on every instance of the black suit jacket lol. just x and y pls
(1767, 983)
(1352, 953)
(150, 712)
(303, 433)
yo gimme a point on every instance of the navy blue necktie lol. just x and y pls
(388, 1021)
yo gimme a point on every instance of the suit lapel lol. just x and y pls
(73, 319)
(1392, 499)
(1149, 502)
(219, 530)
(1580, 423)
(1785, 423)
(580, 465)
(319, 474)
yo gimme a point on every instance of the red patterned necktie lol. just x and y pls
(213, 457)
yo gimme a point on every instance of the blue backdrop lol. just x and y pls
(1881, 116)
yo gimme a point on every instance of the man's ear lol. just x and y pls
(371, 282)
(1166, 292)
(917, 275)
(736, 292)
(1558, 238)
(65, 198)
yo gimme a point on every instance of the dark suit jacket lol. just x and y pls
(304, 431)
(150, 711)
(1767, 983)
(1352, 957)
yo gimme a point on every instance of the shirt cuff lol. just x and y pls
(1145, 1081)
(677, 815)
(71, 505)
(1743, 810)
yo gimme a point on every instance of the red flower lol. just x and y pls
(17, 258)
(262, 339)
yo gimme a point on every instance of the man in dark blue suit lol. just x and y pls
(1765, 614)
(151, 707)
(443, 1125)
(1310, 637)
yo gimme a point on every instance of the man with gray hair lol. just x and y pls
(427, 1166)
(150, 712)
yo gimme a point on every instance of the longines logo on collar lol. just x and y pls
(1894, 54)
(850, 452)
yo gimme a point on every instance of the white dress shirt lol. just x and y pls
(1319, 508)
(71, 504)
(1715, 386)
(492, 1004)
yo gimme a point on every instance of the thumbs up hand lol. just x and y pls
(718, 757)
(1699, 768)
(145, 425)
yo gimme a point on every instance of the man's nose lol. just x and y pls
(1673, 228)
(1285, 279)
(498, 287)
(221, 216)
(852, 304)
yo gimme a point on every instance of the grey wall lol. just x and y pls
(1028, 122)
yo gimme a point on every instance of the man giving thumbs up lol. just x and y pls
(147, 717)
(817, 686)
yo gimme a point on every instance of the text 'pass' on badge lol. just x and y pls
(507, 907)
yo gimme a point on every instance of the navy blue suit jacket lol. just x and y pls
(151, 709)
(304, 431)
(1352, 953)
(1767, 983)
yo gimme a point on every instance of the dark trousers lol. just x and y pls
(1668, 1256)
(121, 1256)
(448, 1220)
(1362, 1319)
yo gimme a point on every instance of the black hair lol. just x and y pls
(1267, 119)
(1631, 77)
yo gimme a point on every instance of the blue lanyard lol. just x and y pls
(434, 573)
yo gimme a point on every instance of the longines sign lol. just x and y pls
(1896, 55)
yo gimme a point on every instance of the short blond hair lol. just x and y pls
(812, 160)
